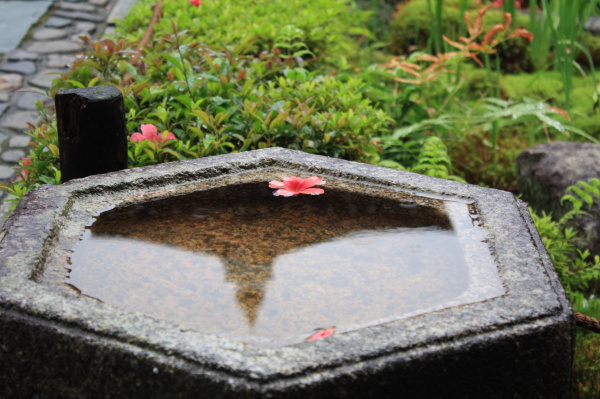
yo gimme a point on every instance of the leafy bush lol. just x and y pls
(214, 103)
(323, 29)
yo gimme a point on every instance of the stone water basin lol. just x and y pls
(191, 279)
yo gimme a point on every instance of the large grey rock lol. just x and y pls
(515, 341)
(545, 172)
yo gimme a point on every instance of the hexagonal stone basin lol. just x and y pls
(237, 260)
(459, 299)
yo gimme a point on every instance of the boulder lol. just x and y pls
(544, 173)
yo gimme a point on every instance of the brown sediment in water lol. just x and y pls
(289, 264)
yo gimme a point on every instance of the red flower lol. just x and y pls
(22, 175)
(322, 334)
(150, 133)
(196, 3)
(296, 185)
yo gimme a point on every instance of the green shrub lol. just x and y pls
(575, 268)
(216, 102)
(323, 29)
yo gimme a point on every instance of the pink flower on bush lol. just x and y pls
(26, 162)
(150, 133)
(196, 3)
(22, 174)
(296, 185)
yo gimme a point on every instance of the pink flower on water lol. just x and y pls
(328, 332)
(150, 133)
(196, 3)
(296, 185)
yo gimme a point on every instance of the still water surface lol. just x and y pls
(241, 262)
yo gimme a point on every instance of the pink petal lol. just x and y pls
(322, 334)
(137, 137)
(313, 191)
(284, 193)
(149, 131)
(276, 184)
(162, 137)
(297, 184)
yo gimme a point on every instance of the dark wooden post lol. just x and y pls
(91, 131)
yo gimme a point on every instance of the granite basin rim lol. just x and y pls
(534, 297)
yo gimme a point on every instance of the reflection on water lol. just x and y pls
(242, 262)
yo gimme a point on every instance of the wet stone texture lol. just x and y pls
(497, 323)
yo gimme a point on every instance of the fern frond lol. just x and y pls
(582, 193)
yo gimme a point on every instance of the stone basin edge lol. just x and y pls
(534, 298)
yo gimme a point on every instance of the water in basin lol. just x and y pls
(237, 260)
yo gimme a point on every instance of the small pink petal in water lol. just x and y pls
(328, 332)
(293, 185)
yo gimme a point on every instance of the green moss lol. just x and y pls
(548, 86)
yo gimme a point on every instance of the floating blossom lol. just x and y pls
(196, 3)
(150, 133)
(296, 185)
(328, 332)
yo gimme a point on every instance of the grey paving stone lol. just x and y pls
(81, 16)
(6, 173)
(12, 156)
(22, 67)
(60, 60)
(18, 120)
(16, 18)
(54, 47)
(120, 10)
(10, 81)
(56, 22)
(22, 55)
(4, 96)
(44, 79)
(85, 27)
(27, 100)
(3, 107)
(77, 7)
(49, 34)
(3, 137)
(19, 141)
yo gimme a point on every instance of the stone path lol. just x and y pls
(39, 39)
